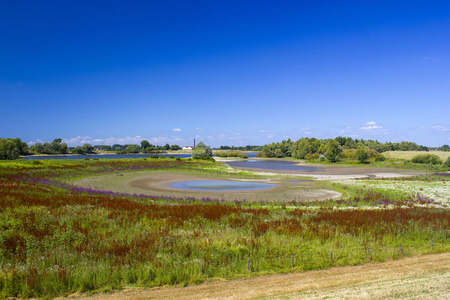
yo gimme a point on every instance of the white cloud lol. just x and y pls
(371, 126)
(440, 128)
(176, 129)
(307, 132)
(268, 131)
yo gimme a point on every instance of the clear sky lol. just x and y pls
(224, 72)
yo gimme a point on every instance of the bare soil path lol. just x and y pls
(419, 277)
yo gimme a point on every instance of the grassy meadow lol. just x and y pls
(408, 155)
(57, 238)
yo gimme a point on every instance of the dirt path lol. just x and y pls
(420, 277)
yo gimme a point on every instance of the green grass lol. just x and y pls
(408, 155)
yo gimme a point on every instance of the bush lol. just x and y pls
(322, 158)
(231, 153)
(201, 151)
(311, 156)
(447, 163)
(380, 157)
(348, 153)
(362, 155)
(427, 159)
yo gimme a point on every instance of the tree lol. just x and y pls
(167, 147)
(132, 149)
(333, 151)
(78, 150)
(47, 148)
(175, 147)
(87, 148)
(8, 149)
(63, 149)
(145, 144)
(55, 145)
(201, 151)
(362, 155)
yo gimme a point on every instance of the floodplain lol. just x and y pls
(82, 226)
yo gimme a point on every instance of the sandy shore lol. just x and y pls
(339, 172)
(157, 183)
(286, 189)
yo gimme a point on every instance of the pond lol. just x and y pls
(271, 165)
(216, 185)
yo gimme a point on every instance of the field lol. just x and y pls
(58, 237)
(419, 277)
(443, 155)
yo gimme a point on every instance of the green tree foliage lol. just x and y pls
(201, 151)
(175, 147)
(447, 163)
(55, 147)
(231, 153)
(12, 148)
(103, 147)
(242, 148)
(444, 148)
(282, 149)
(362, 155)
(333, 151)
(380, 157)
(312, 146)
(88, 148)
(427, 159)
(144, 145)
(77, 150)
(132, 149)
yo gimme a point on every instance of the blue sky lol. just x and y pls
(224, 72)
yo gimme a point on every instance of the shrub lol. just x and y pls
(201, 151)
(427, 159)
(348, 153)
(372, 153)
(231, 153)
(447, 163)
(322, 158)
(311, 156)
(380, 157)
(362, 155)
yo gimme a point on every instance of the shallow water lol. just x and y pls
(216, 185)
(271, 165)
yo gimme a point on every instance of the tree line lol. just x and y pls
(310, 148)
(242, 148)
(145, 147)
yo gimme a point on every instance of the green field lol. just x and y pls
(57, 238)
(408, 155)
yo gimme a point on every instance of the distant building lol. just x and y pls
(189, 147)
